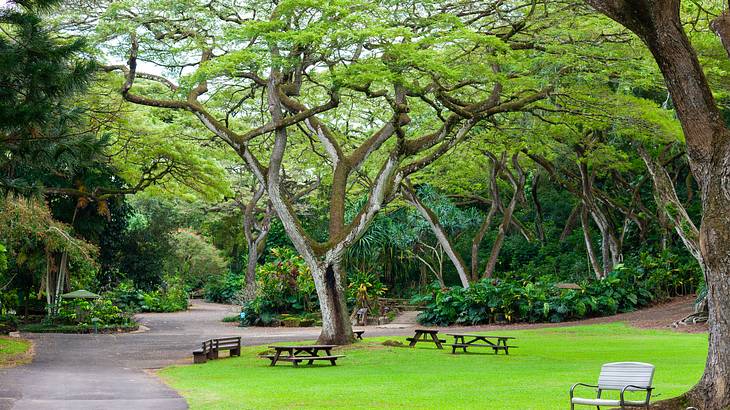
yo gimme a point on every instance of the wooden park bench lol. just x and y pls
(358, 334)
(622, 377)
(209, 349)
(426, 335)
(460, 342)
(298, 354)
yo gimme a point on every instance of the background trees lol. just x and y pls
(394, 143)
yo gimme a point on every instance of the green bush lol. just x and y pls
(225, 289)
(86, 312)
(126, 296)
(8, 323)
(285, 285)
(540, 300)
(365, 288)
(171, 298)
(195, 259)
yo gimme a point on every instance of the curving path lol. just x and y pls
(112, 371)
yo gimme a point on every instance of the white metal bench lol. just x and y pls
(622, 377)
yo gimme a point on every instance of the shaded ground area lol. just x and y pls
(112, 371)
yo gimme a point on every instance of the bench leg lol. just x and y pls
(436, 340)
(275, 358)
(236, 352)
(295, 363)
(310, 362)
(334, 362)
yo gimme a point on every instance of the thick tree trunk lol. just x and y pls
(336, 326)
(658, 24)
(721, 27)
(713, 390)
(249, 290)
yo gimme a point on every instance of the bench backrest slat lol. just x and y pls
(229, 339)
(615, 376)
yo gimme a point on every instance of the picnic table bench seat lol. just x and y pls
(300, 353)
(425, 335)
(461, 342)
(310, 359)
(464, 346)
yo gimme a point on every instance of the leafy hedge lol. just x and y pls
(171, 298)
(224, 289)
(540, 300)
(86, 312)
(84, 316)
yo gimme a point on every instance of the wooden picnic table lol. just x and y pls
(358, 334)
(480, 341)
(300, 353)
(426, 335)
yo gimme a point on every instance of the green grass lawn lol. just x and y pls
(13, 351)
(537, 375)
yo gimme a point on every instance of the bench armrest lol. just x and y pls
(572, 388)
(648, 390)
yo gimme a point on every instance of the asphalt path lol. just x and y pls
(116, 371)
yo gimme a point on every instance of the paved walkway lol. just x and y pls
(110, 372)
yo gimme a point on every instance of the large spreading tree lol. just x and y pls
(658, 24)
(371, 91)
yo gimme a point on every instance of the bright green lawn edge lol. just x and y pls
(537, 375)
(14, 351)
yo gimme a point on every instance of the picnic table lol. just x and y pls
(426, 335)
(300, 353)
(460, 341)
(358, 334)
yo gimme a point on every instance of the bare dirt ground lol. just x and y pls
(113, 371)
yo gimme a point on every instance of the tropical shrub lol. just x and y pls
(171, 298)
(87, 312)
(285, 285)
(224, 289)
(365, 288)
(8, 323)
(540, 300)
